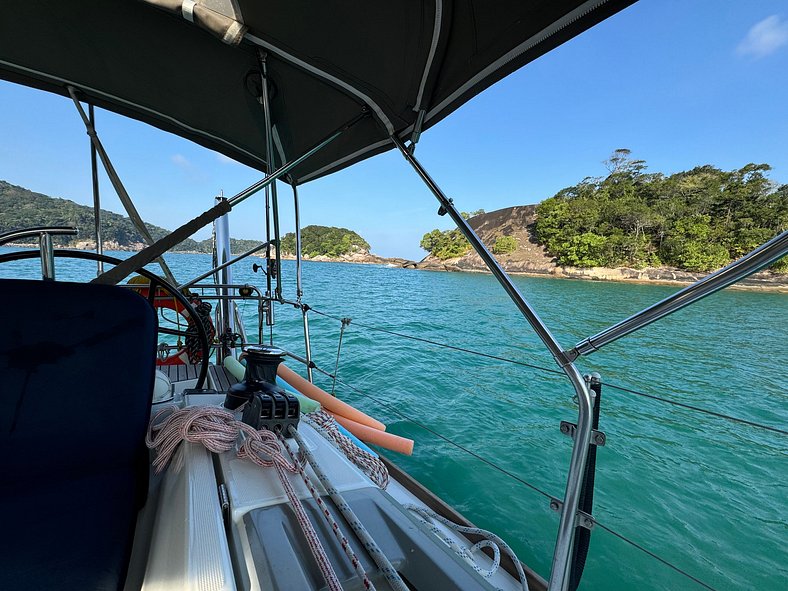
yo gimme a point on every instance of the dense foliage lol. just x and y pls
(698, 220)
(325, 240)
(445, 244)
(448, 244)
(21, 208)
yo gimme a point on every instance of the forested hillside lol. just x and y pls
(22, 208)
(325, 240)
(698, 220)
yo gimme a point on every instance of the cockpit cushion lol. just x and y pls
(77, 365)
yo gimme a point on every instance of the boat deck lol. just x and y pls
(219, 378)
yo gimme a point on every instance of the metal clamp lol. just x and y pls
(597, 437)
(582, 519)
(224, 500)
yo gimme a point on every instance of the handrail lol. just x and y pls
(35, 232)
(45, 245)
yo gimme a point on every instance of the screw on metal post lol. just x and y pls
(585, 520)
(597, 437)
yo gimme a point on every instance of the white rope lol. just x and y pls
(340, 537)
(491, 541)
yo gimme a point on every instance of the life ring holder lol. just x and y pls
(163, 299)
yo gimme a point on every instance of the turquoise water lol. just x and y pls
(705, 494)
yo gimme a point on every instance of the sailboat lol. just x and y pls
(211, 464)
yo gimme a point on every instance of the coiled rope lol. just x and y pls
(491, 541)
(217, 430)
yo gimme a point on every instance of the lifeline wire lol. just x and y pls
(438, 435)
(558, 372)
(517, 478)
(654, 556)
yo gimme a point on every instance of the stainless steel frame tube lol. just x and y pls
(223, 276)
(299, 287)
(96, 197)
(47, 256)
(223, 265)
(761, 257)
(269, 141)
(559, 575)
(263, 183)
(307, 346)
(114, 178)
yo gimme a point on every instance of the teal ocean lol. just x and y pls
(706, 494)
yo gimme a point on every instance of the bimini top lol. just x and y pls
(193, 67)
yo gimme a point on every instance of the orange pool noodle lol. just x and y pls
(328, 402)
(370, 435)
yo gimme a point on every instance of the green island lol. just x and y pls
(22, 208)
(325, 241)
(696, 220)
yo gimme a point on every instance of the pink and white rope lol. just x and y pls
(217, 430)
(343, 541)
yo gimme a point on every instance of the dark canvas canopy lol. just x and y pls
(193, 67)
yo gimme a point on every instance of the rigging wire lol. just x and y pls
(559, 372)
(512, 476)
(444, 345)
(654, 556)
(438, 435)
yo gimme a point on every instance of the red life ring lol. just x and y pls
(164, 300)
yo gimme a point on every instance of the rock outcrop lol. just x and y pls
(531, 258)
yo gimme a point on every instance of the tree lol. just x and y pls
(325, 241)
(445, 245)
(697, 220)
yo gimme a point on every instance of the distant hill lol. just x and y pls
(325, 241)
(22, 208)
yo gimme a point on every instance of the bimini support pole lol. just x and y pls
(269, 151)
(299, 286)
(96, 198)
(763, 256)
(559, 575)
(123, 195)
(223, 276)
(178, 235)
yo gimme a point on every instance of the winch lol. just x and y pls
(268, 405)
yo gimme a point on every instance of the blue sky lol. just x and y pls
(679, 83)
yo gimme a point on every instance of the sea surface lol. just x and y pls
(704, 493)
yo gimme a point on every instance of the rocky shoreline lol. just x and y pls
(764, 280)
(531, 258)
(534, 266)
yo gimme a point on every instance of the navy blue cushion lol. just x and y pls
(77, 365)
